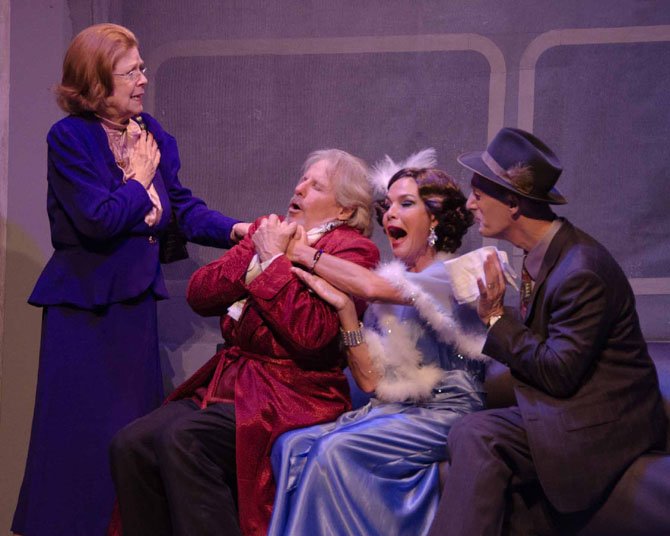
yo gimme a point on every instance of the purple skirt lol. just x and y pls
(98, 371)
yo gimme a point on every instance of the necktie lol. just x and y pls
(526, 289)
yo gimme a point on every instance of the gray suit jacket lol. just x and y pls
(584, 382)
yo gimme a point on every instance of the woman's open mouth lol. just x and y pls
(395, 232)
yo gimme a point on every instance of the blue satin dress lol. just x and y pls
(374, 471)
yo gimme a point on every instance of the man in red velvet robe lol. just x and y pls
(180, 469)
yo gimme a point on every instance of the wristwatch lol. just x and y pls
(492, 320)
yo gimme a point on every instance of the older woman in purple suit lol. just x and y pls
(112, 186)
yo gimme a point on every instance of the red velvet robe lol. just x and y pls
(288, 364)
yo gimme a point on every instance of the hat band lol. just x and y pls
(495, 167)
(521, 182)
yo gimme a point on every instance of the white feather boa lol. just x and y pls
(394, 351)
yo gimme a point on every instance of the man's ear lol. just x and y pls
(514, 206)
(345, 213)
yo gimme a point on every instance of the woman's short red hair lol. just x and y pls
(87, 68)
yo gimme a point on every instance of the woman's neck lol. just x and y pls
(114, 123)
(423, 261)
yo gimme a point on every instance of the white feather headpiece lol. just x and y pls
(382, 171)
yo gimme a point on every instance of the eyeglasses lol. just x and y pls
(133, 75)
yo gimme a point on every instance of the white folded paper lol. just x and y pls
(464, 271)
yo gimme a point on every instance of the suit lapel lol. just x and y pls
(551, 257)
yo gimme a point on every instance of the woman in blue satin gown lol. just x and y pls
(374, 471)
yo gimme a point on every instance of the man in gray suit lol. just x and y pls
(587, 395)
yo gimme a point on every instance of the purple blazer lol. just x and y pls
(583, 379)
(104, 251)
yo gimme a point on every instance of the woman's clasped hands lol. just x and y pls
(144, 159)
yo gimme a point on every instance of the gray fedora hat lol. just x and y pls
(512, 148)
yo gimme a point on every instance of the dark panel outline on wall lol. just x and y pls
(657, 286)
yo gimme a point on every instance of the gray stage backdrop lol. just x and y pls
(250, 88)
